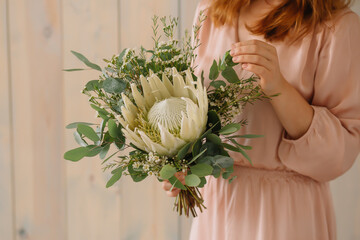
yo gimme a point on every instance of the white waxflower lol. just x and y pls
(167, 115)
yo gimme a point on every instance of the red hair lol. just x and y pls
(297, 16)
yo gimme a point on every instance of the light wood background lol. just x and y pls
(42, 196)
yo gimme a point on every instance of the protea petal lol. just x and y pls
(161, 87)
(152, 146)
(168, 84)
(169, 141)
(154, 88)
(185, 131)
(139, 99)
(179, 86)
(121, 121)
(148, 95)
(128, 116)
(129, 105)
(134, 138)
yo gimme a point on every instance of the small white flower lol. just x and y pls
(146, 167)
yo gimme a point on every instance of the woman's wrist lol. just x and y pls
(293, 111)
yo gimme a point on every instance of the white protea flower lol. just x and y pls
(167, 115)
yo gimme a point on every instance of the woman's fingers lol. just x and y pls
(258, 70)
(181, 177)
(257, 45)
(166, 185)
(253, 59)
(173, 193)
(254, 47)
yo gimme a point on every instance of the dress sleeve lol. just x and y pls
(332, 142)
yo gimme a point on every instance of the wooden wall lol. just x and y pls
(44, 197)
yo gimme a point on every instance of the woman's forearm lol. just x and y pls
(293, 111)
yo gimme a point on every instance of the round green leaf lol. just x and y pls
(203, 182)
(214, 71)
(100, 110)
(167, 171)
(214, 138)
(115, 177)
(104, 151)
(75, 124)
(114, 85)
(114, 131)
(213, 121)
(223, 161)
(201, 169)
(93, 150)
(93, 85)
(217, 84)
(79, 139)
(136, 175)
(230, 75)
(88, 132)
(192, 180)
(76, 154)
(230, 128)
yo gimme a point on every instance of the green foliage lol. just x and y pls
(167, 171)
(114, 129)
(136, 176)
(230, 75)
(117, 173)
(73, 69)
(230, 129)
(88, 132)
(76, 154)
(176, 183)
(75, 124)
(86, 61)
(192, 180)
(183, 151)
(114, 85)
(214, 71)
(214, 138)
(201, 169)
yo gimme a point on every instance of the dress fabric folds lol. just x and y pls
(285, 194)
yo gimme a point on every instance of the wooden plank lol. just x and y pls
(187, 11)
(6, 184)
(346, 196)
(89, 27)
(35, 35)
(146, 211)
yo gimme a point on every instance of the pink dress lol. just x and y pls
(285, 194)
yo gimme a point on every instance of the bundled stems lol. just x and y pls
(188, 200)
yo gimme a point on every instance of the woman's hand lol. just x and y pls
(260, 58)
(166, 185)
(293, 111)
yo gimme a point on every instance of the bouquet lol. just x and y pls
(151, 102)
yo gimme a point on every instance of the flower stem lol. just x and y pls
(188, 200)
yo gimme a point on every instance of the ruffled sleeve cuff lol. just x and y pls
(320, 152)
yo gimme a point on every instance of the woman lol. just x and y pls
(308, 51)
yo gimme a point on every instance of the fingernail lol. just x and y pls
(244, 65)
(231, 52)
(235, 59)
